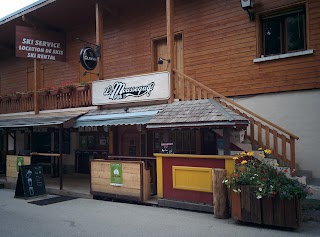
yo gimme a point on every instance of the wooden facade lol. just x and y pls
(219, 44)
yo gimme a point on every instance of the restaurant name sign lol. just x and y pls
(147, 87)
(38, 44)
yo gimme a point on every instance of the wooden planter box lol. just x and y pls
(268, 211)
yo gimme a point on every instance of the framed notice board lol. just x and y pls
(30, 181)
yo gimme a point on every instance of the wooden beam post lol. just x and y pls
(60, 157)
(99, 37)
(170, 45)
(226, 141)
(37, 75)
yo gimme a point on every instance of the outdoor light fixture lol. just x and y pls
(160, 60)
(246, 5)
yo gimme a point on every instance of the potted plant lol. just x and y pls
(55, 90)
(82, 86)
(44, 91)
(67, 87)
(262, 194)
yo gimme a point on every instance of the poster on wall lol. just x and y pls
(116, 174)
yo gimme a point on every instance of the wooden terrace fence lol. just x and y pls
(261, 132)
(61, 100)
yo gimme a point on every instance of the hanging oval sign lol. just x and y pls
(88, 58)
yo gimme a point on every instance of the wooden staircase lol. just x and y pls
(260, 131)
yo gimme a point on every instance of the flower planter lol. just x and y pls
(26, 95)
(55, 92)
(44, 93)
(66, 90)
(15, 97)
(5, 98)
(268, 211)
(82, 88)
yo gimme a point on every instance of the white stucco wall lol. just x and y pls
(298, 113)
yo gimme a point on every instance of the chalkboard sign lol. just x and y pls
(167, 148)
(30, 181)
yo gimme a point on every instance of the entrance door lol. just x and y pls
(209, 142)
(159, 47)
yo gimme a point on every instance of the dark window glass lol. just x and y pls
(283, 33)
(272, 36)
(295, 29)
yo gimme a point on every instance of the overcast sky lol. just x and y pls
(9, 6)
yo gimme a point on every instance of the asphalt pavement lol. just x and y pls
(88, 217)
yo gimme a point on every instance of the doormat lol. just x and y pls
(53, 200)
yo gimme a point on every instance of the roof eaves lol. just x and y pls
(30, 8)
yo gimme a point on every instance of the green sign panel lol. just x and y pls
(116, 174)
(20, 162)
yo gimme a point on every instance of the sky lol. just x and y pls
(9, 6)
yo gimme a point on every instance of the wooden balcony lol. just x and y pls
(47, 101)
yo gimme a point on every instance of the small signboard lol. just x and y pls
(39, 44)
(30, 181)
(147, 87)
(88, 58)
(20, 162)
(116, 174)
(167, 148)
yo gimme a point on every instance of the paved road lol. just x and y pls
(85, 217)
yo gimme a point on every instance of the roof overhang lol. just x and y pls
(115, 119)
(44, 119)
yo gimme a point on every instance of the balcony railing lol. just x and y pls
(49, 101)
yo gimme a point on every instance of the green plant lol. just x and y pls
(269, 182)
(69, 85)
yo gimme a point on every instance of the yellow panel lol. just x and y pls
(192, 178)
(159, 178)
(230, 166)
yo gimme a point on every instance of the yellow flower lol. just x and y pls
(260, 149)
(262, 155)
(276, 164)
(244, 162)
(235, 158)
(268, 151)
(250, 153)
(243, 153)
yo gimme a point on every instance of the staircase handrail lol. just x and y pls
(236, 104)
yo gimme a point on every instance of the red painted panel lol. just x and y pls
(185, 195)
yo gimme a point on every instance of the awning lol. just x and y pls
(42, 119)
(196, 113)
(123, 116)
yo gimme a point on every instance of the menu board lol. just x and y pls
(30, 181)
(167, 148)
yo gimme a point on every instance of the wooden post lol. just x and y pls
(220, 197)
(37, 75)
(170, 45)
(60, 157)
(99, 37)
(226, 141)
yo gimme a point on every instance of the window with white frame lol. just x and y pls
(284, 32)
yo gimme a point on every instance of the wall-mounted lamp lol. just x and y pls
(160, 60)
(247, 5)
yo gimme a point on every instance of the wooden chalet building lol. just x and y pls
(257, 68)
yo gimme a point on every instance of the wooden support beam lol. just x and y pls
(37, 75)
(170, 45)
(99, 37)
(226, 141)
(60, 157)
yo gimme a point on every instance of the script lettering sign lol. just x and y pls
(147, 87)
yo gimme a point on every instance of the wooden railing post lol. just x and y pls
(292, 156)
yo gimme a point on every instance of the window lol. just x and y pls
(284, 32)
